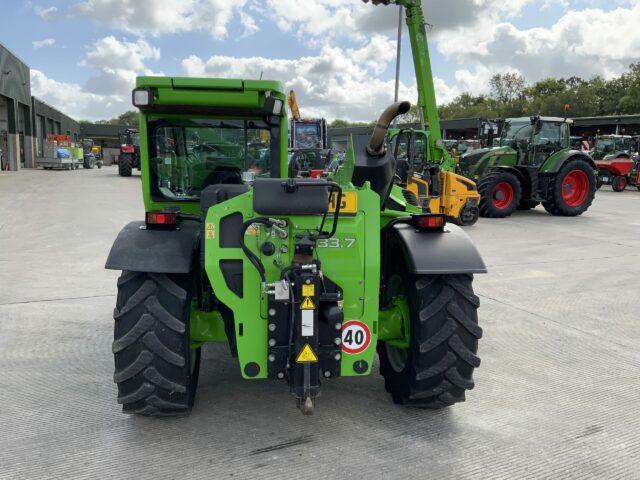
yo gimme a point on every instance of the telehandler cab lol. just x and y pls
(303, 278)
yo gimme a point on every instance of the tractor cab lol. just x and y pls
(536, 138)
(608, 147)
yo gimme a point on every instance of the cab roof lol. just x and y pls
(196, 83)
(544, 119)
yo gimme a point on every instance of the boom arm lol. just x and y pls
(416, 24)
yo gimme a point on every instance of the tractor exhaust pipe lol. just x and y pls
(376, 144)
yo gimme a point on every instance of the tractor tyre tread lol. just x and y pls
(153, 360)
(125, 165)
(617, 181)
(443, 346)
(555, 205)
(487, 183)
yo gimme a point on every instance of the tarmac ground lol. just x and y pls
(556, 394)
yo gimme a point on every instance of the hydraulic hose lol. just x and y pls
(253, 258)
(376, 143)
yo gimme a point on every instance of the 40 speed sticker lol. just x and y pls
(356, 337)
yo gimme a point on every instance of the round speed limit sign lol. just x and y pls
(356, 337)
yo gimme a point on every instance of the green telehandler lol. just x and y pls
(304, 279)
(533, 164)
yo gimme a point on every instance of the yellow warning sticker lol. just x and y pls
(211, 230)
(308, 290)
(307, 304)
(253, 229)
(306, 355)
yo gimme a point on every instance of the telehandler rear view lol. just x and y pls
(304, 279)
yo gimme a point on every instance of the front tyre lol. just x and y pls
(619, 183)
(500, 194)
(155, 369)
(437, 368)
(571, 190)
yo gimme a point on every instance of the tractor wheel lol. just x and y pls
(437, 368)
(619, 183)
(155, 368)
(571, 190)
(125, 165)
(500, 194)
(527, 204)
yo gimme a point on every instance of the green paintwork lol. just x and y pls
(482, 161)
(394, 323)
(351, 258)
(427, 105)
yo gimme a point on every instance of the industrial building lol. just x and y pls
(107, 137)
(25, 121)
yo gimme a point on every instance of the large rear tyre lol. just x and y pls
(500, 193)
(619, 183)
(437, 368)
(125, 165)
(155, 369)
(571, 190)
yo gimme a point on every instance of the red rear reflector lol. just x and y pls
(429, 221)
(316, 173)
(161, 218)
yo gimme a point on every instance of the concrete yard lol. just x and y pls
(556, 395)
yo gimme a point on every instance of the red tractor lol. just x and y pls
(619, 172)
(129, 152)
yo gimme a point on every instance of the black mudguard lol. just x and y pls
(138, 249)
(451, 251)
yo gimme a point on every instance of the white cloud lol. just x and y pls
(116, 63)
(336, 83)
(581, 43)
(72, 99)
(47, 42)
(49, 13)
(164, 16)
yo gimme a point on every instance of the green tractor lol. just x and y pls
(534, 164)
(304, 279)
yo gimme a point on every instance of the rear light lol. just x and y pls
(429, 221)
(161, 219)
(316, 173)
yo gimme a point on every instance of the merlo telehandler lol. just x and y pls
(304, 279)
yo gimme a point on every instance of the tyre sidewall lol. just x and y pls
(563, 208)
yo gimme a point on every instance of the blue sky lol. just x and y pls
(337, 54)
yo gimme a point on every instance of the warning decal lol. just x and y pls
(211, 230)
(307, 304)
(306, 355)
(308, 290)
(356, 337)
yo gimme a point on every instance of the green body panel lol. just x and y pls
(555, 161)
(351, 259)
(205, 327)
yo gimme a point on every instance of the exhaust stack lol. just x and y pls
(376, 144)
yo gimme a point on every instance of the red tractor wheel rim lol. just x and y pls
(502, 195)
(620, 183)
(575, 188)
